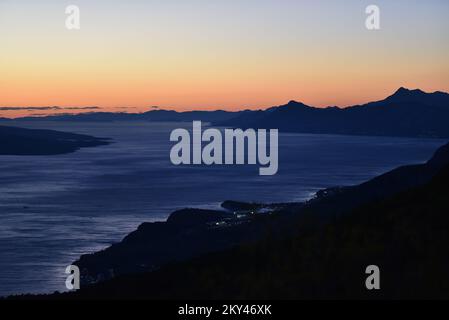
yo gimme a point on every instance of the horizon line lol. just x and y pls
(162, 108)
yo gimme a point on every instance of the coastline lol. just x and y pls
(395, 146)
(193, 232)
(271, 228)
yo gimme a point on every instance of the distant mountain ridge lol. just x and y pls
(406, 113)
(411, 113)
(152, 115)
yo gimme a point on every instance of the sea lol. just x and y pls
(55, 208)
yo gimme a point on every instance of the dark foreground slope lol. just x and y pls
(405, 235)
(20, 141)
(187, 233)
(334, 201)
(305, 250)
(193, 232)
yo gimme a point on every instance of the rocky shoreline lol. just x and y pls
(191, 233)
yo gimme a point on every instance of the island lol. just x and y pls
(37, 142)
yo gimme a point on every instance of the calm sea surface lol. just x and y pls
(55, 208)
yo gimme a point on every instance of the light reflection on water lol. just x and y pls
(55, 208)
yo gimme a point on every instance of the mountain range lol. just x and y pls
(152, 115)
(408, 113)
(411, 113)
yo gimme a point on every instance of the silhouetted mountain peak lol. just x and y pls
(404, 93)
(402, 90)
(408, 113)
(293, 104)
(290, 106)
(417, 96)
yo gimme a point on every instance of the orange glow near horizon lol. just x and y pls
(215, 56)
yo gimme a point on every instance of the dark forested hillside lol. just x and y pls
(319, 249)
(405, 235)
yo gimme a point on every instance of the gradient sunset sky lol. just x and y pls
(191, 54)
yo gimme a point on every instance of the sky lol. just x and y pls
(192, 54)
